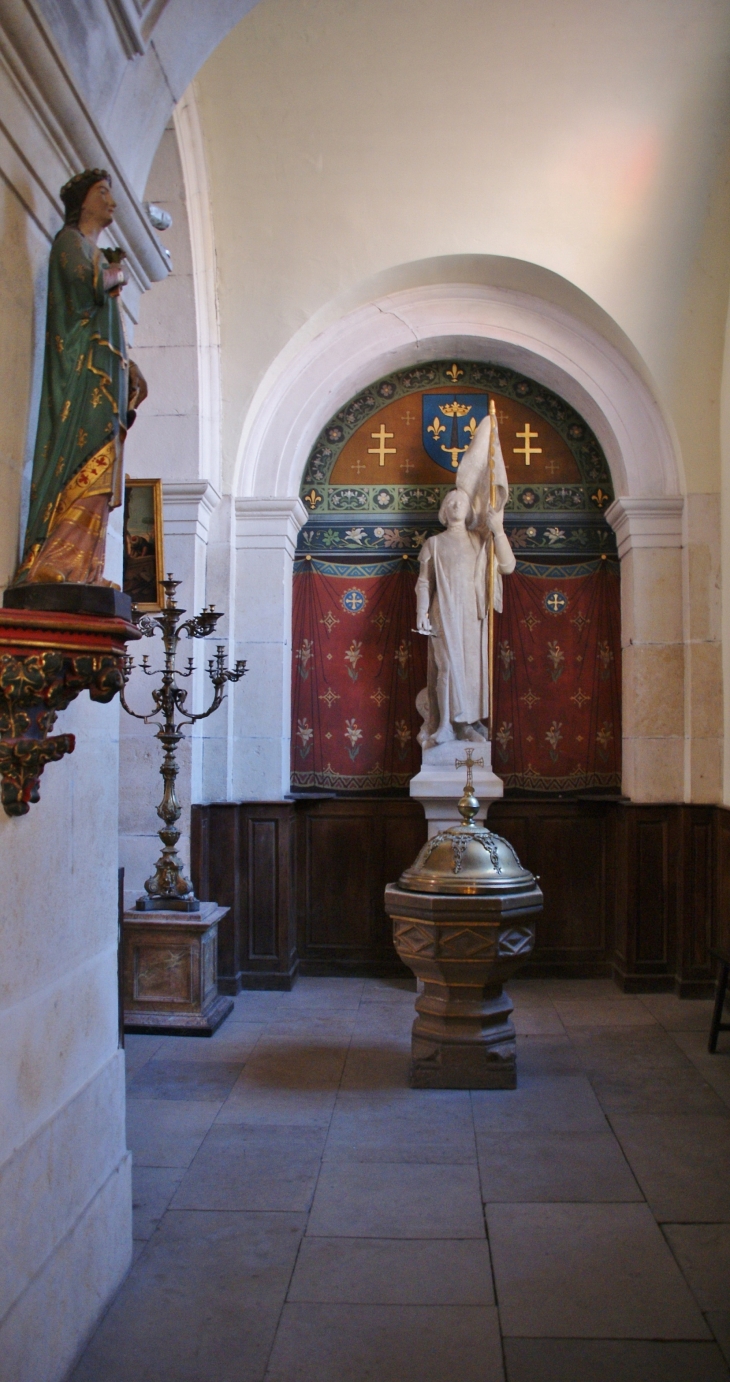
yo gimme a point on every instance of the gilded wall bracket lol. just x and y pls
(47, 658)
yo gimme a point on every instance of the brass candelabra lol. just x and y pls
(168, 889)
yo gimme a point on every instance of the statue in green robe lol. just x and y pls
(90, 391)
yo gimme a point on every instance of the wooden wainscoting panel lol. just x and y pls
(263, 877)
(696, 909)
(243, 858)
(721, 928)
(564, 844)
(338, 881)
(217, 877)
(636, 890)
(652, 891)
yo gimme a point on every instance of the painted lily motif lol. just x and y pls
(353, 655)
(353, 734)
(305, 735)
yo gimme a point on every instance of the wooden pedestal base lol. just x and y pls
(463, 948)
(170, 966)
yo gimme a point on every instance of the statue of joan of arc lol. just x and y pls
(90, 391)
(452, 593)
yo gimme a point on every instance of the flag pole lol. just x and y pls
(492, 499)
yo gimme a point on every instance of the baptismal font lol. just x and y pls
(463, 914)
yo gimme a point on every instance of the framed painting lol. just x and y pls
(144, 561)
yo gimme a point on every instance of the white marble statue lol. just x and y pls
(452, 594)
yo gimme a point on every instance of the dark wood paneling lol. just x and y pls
(721, 930)
(347, 852)
(564, 844)
(243, 857)
(263, 902)
(652, 892)
(637, 891)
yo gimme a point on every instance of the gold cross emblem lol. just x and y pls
(470, 763)
(381, 450)
(528, 436)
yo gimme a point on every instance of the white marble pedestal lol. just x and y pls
(440, 783)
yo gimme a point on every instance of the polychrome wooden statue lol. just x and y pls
(90, 391)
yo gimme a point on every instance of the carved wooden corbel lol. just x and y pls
(47, 658)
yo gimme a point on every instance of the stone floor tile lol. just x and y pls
(256, 1005)
(165, 1078)
(329, 992)
(719, 1322)
(679, 1014)
(544, 1103)
(540, 1020)
(230, 1044)
(642, 1070)
(389, 990)
(202, 1302)
(292, 1063)
(404, 1200)
(715, 1068)
(138, 1049)
(703, 1253)
(558, 1166)
(547, 1055)
(586, 989)
(313, 1027)
(253, 1168)
(251, 1103)
(152, 1189)
(167, 1132)
(408, 1125)
(603, 1012)
(381, 1271)
(377, 1067)
(529, 993)
(386, 1343)
(682, 1164)
(606, 1360)
(588, 1271)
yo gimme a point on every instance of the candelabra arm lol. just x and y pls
(168, 887)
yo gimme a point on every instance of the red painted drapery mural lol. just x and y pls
(358, 666)
(557, 679)
(357, 669)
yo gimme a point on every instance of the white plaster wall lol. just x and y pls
(162, 444)
(65, 1195)
(344, 140)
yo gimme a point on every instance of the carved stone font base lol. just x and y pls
(463, 948)
(170, 972)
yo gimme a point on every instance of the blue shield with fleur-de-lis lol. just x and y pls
(449, 423)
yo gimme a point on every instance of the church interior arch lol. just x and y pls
(373, 486)
(318, 252)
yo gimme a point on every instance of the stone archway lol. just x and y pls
(580, 354)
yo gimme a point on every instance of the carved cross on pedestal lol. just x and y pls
(469, 763)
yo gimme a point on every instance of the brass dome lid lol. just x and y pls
(467, 858)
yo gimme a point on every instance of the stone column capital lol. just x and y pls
(269, 523)
(188, 505)
(646, 522)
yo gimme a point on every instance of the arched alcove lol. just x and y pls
(554, 335)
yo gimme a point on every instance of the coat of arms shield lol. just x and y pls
(449, 423)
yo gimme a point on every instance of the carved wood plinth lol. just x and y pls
(47, 658)
(170, 972)
(463, 948)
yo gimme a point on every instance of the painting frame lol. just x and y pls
(143, 525)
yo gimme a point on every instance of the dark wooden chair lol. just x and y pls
(717, 1025)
